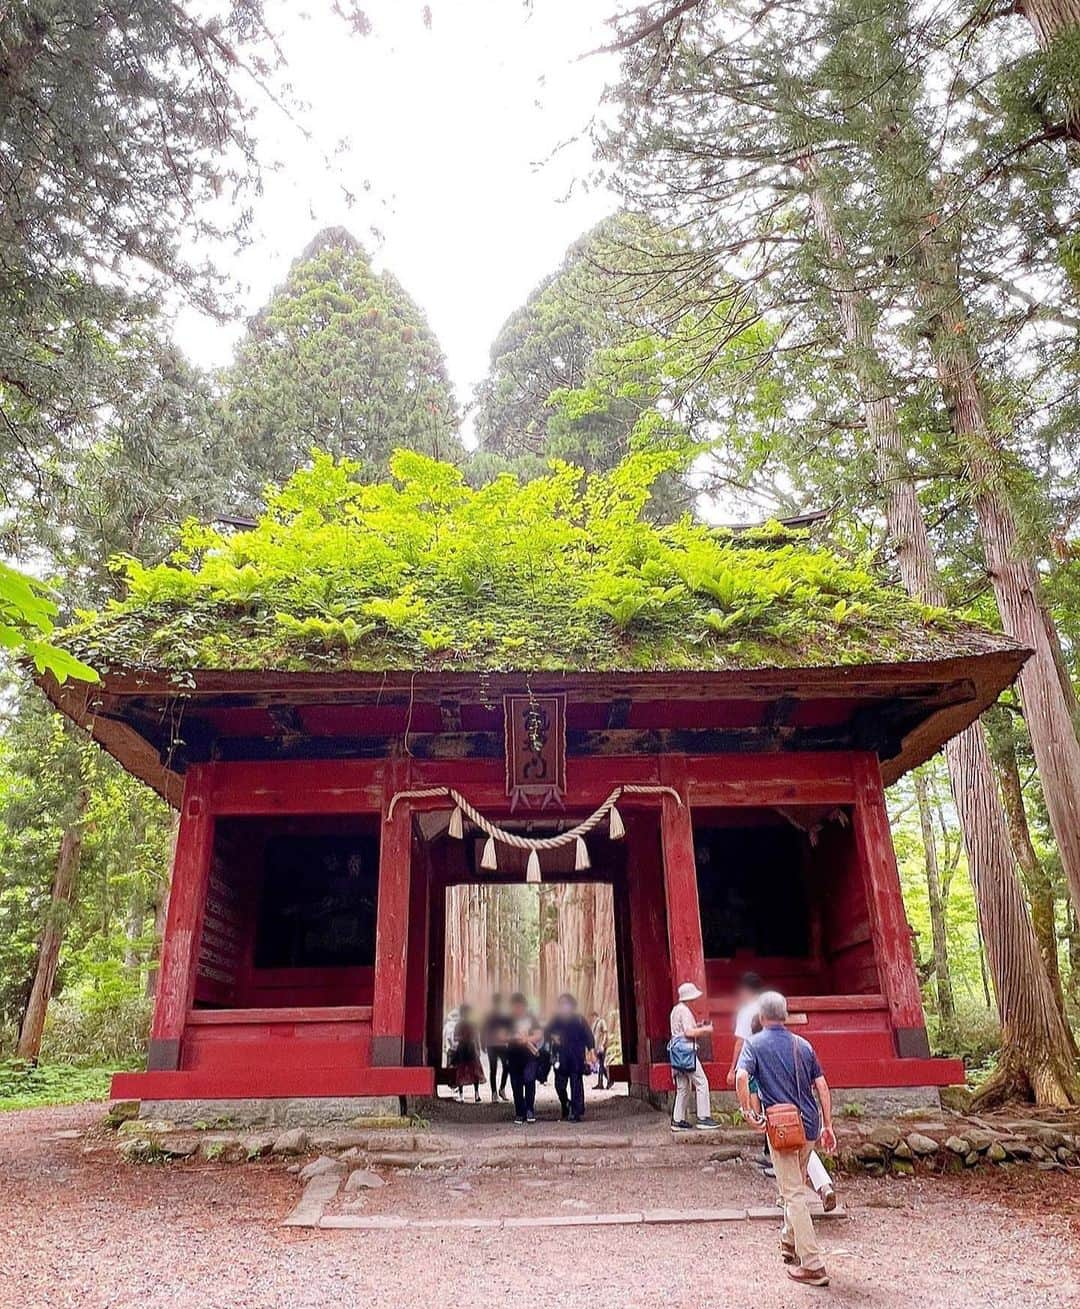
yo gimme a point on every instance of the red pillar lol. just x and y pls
(648, 931)
(392, 925)
(888, 919)
(680, 886)
(183, 922)
(417, 960)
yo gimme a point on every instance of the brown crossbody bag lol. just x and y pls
(783, 1122)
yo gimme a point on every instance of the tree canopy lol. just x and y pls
(340, 359)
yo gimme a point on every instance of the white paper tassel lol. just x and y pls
(532, 871)
(581, 859)
(616, 830)
(489, 859)
(457, 827)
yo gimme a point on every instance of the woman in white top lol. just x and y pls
(685, 1024)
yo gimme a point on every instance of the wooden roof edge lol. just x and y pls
(147, 683)
(925, 740)
(130, 750)
(990, 674)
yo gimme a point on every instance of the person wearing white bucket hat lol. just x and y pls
(686, 1066)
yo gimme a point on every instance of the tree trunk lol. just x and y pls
(1040, 889)
(52, 934)
(942, 976)
(1057, 23)
(1036, 1056)
(1013, 574)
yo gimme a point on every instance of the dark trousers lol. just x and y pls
(570, 1088)
(523, 1084)
(497, 1056)
(601, 1068)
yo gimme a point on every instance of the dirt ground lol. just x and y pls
(90, 1231)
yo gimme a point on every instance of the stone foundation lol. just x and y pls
(313, 1111)
(875, 1101)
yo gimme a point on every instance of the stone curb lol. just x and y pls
(397, 1222)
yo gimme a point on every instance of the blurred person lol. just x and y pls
(600, 1045)
(495, 1038)
(789, 1077)
(465, 1057)
(522, 1054)
(571, 1040)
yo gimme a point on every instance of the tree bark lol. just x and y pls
(947, 1033)
(1015, 579)
(1037, 883)
(52, 933)
(1057, 22)
(1036, 1057)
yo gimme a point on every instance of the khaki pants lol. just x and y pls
(798, 1229)
(700, 1084)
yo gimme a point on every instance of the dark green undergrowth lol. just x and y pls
(30, 1086)
(563, 572)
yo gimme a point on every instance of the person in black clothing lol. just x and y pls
(571, 1040)
(526, 1036)
(496, 1041)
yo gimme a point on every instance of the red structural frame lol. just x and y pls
(376, 1050)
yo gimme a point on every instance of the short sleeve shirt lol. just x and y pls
(785, 1068)
(682, 1019)
(744, 1019)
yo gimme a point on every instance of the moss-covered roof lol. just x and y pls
(563, 573)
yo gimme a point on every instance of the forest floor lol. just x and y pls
(89, 1230)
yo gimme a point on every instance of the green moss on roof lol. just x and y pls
(562, 573)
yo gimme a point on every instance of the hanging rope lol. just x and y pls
(534, 844)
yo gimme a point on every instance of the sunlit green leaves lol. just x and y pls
(26, 621)
(565, 571)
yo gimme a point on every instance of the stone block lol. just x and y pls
(292, 1142)
(921, 1144)
(324, 1165)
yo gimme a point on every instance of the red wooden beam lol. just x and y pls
(183, 922)
(392, 923)
(298, 786)
(888, 918)
(280, 1081)
(650, 961)
(685, 946)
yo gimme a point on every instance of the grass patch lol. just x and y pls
(28, 1086)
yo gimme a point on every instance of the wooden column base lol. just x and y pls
(387, 1051)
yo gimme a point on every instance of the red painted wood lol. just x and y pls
(845, 1074)
(295, 1014)
(767, 779)
(304, 786)
(680, 881)
(283, 1080)
(417, 955)
(392, 919)
(814, 1003)
(308, 987)
(888, 921)
(651, 963)
(183, 922)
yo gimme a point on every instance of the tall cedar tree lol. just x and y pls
(745, 174)
(340, 359)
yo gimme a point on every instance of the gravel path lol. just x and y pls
(87, 1230)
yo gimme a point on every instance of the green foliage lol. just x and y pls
(562, 572)
(32, 1086)
(340, 358)
(26, 621)
(109, 942)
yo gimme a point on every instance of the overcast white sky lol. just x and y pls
(448, 126)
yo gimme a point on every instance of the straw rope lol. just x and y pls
(519, 842)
